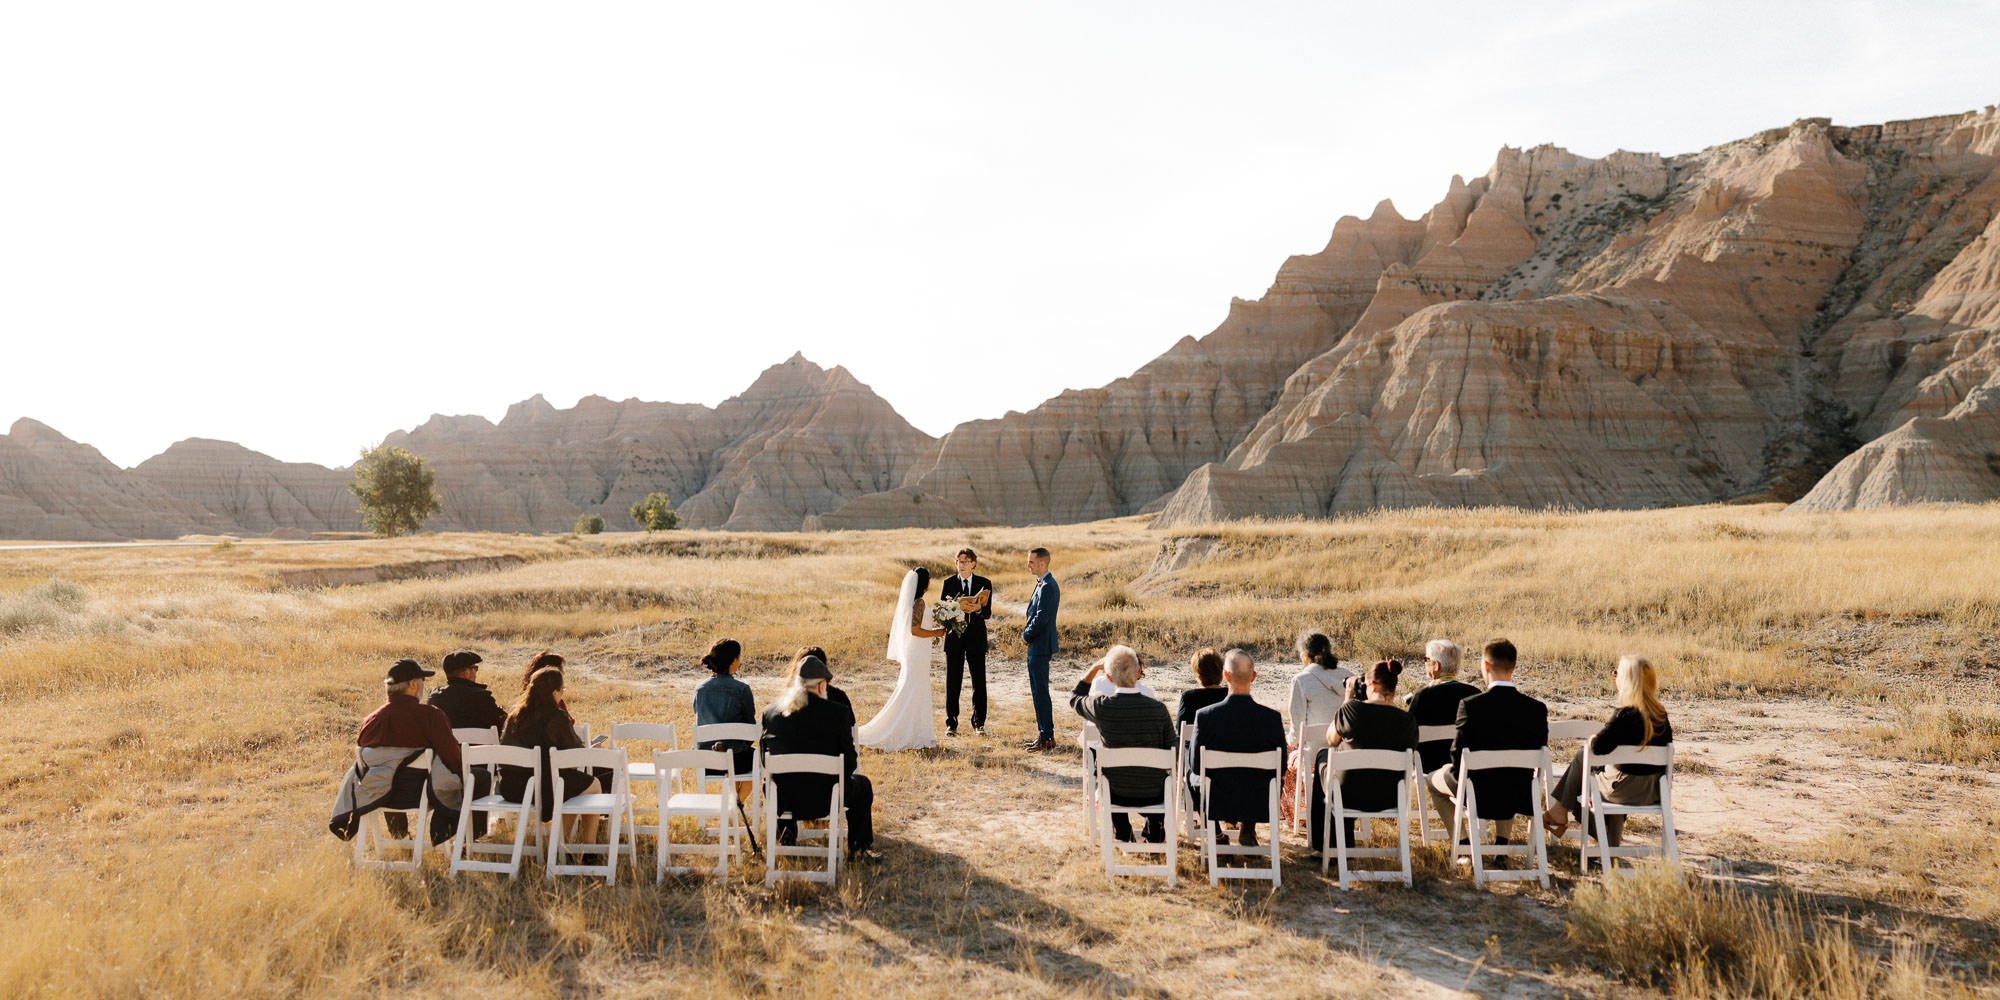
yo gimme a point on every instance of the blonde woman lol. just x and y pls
(1641, 721)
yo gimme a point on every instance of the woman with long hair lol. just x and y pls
(539, 719)
(905, 721)
(1640, 721)
(544, 660)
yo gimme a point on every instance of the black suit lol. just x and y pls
(966, 651)
(1237, 724)
(1502, 719)
(821, 726)
(470, 706)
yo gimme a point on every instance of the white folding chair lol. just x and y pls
(464, 849)
(1090, 742)
(613, 805)
(583, 732)
(1335, 846)
(1467, 825)
(374, 838)
(749, 733)
(1161, 759)
(1563, 731)
(1187, 782)
(835, 835)
(1272, 761)
(469, 736)
(1420, 788)
(639, 769)
(675, 768)
(1312, 739)
(1595, 804)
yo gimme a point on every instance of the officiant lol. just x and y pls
(966, 650)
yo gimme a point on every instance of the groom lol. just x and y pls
(967, 650)
(1040, 635)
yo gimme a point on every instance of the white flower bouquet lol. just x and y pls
(949, 616)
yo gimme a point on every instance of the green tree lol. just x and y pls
(397, 491)
(653, 513)
(589, 524)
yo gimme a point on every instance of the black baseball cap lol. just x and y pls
(460, 659)
(403, 671)
(812, 668)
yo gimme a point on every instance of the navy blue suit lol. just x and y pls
(1040, 635)
(1237, 724)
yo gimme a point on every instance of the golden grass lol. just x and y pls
(184, 715)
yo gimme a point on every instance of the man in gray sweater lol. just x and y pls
(1126, 718)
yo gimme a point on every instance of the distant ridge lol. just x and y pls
(1809, 313)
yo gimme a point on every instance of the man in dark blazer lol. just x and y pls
(1126, 718)
(1436, 704)
(966, 651)
(1039, 633)
(468, 705)
(1502, 718)
(1237, 724)
(818, 725)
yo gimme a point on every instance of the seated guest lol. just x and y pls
(1641, 721)
(805, 720)
(722, 698)
(468, 705)
(1207, 667)
(1237, 724)
(544, 660)
(389, 738)
(1103, 685)
(1501, 718)
(1436, 704)
(463, 700)
(1371, 724)
(1127, 718)
(833, 694)
(1317, 693)
(539, 719)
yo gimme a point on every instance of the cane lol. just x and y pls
(747, 832)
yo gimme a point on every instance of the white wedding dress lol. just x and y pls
(906, 722)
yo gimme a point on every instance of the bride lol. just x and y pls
(906, 722)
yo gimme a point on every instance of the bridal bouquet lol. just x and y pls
(950, 616)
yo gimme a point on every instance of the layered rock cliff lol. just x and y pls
(54, 488)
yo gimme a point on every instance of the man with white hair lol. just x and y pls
(1237, 724)
(1436, 704)
(1127, 718)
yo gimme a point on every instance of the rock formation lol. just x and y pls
(1619, 332)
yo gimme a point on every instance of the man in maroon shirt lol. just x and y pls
(405, 721)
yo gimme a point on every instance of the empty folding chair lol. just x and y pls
(1600, 810)
(680, 795)
(1271, 761)
(1468, 824)
(749, 733)
(373, 839)
(465, 851)
(1420, 789)
(1336, 848)
(639, 771)
(583, 732)
(613, 805)
(1089, 741)
(1312, 739)
(1561, 733)
(1161, 760)
(477, 735)
(780, 765)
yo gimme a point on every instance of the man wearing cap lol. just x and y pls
(465, 701)
(389, 739)
(805, 720)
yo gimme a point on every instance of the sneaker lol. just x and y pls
(981, 730)
(950, 731)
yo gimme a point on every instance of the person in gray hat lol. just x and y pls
(804, 720)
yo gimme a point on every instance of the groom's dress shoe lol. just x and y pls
(1040, 745)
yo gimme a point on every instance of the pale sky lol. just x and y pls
(302, 226)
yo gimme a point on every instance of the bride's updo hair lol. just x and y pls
(923, 581)
(721, 655)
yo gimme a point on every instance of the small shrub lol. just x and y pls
(589, 524)
(63, 594)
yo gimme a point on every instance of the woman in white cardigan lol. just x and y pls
(1318, 691)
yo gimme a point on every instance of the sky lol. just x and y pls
(302, 226)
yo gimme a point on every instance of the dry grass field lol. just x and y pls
(181, 717)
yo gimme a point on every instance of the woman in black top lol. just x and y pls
(1641, 721)
(539, 719)
(1374, 724)
(1207, 667)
